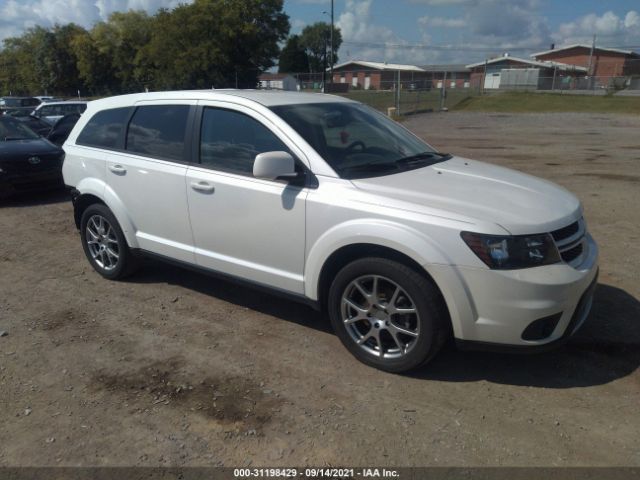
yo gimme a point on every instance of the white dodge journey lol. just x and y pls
(325, 200)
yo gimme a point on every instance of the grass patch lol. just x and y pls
(410, 101)
(522, 102)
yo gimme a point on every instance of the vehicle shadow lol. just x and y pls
(32, 199)
(605, 349)
(233, 292)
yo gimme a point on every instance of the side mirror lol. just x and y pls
(274, 165)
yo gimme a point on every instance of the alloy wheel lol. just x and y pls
(102, 242)
(380, 317)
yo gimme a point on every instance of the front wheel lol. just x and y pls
(386, 314)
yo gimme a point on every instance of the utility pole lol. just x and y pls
(593, 47)
(331, 48)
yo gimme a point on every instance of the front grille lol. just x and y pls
(570, 242)
(566, 232)
(48, 162)
(571, 254)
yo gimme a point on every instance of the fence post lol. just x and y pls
(443, 91)
(398, 95)
(553, 83)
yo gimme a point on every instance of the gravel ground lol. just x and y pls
(174, 368)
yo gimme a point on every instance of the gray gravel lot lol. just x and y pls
(174, 368)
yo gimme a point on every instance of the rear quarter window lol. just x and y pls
(105, 128)
(159, 131)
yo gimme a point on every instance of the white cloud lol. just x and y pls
(18, 15)
(364, 40)
(610, 29)
(440, 22)
(297, 25)
(445, 3)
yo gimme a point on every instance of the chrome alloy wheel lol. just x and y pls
(380, 316)
(102, 242)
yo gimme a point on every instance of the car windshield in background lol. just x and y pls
(11, 129)
(357, 141)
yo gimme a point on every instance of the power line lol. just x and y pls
(467, 48)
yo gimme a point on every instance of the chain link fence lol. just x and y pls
(401, 93)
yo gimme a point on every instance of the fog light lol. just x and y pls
(541, 328)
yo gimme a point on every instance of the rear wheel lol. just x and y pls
(104, 243)
(386, 314)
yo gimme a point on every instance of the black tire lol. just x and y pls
(110, 268)
(429, 323)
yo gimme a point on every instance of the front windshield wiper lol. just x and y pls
(373, 167)
(424, 157)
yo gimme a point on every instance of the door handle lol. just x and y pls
(118, 169)
(202, 187)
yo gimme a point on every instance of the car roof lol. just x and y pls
(66, 102)
(268, 98)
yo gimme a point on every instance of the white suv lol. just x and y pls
(328, 201)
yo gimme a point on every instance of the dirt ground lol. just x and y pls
(174, 368)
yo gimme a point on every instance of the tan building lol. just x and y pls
(489, 74)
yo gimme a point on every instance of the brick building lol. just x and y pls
(378, 75)
(452, 76)
(605, 63)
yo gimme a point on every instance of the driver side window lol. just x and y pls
(230, 141)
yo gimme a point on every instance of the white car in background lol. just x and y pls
(51, 112)
(327, 201)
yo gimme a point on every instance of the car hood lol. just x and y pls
(517, 202)
(19, 149)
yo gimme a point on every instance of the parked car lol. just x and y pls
(27, 161)
(62, 128)
(53, 111)
(40, 127)
(18, 105)
(46, 99)
(323, 199)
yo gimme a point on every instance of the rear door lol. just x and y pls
(148, 177)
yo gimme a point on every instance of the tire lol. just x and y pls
(396, 326)
(104, 244)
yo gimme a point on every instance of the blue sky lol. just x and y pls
(434, 31)
(403, 31)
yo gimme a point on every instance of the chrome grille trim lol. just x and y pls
(566, 246)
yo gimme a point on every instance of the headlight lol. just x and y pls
(513, 252)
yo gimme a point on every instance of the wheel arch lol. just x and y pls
(92, 191)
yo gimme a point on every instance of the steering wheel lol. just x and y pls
(355, 144)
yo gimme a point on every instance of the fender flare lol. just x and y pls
(384, 233)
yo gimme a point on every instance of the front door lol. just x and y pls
(244, 226)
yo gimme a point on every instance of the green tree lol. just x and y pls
(119, 41)
(65, 61)
(219, 43)
(293, 58)
(316, 41)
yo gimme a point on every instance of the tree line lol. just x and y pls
(208, 43)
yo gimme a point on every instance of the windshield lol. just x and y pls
(11, 129)
(357, 141)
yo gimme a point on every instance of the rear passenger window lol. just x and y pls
(230, 141)
(158, 131)
(104, 129)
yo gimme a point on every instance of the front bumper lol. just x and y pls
(15, 183)
(493, 308)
